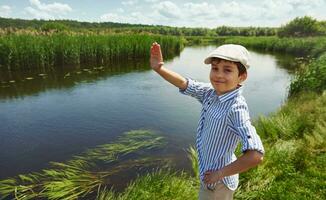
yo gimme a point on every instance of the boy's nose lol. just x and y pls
(218, 74)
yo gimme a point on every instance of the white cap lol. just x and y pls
(231, 52)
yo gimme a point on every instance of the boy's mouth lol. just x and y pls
(218, 82)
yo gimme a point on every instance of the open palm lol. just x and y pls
(156, 59)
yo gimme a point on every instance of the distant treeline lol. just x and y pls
(13, 25)
(299, 27)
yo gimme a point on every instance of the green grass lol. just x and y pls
(162, 184)
(295, 161)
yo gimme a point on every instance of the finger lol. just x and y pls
(157, 48)
(155, 51)
(207, 181)
(156, 54)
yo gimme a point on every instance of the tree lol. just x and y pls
(300, 27)
(54, 26)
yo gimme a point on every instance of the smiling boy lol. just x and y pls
(223, 122)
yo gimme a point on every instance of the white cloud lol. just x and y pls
(47, 11)
(133, 18)
(112, 17)
(168, 9)
(208, 14)
(200, 9)
(120, 10)
(151, 1)
(279, 12)
(38, 14)
(303, 3)
(129, 3)
(5, 11)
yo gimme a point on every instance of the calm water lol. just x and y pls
(54, 117)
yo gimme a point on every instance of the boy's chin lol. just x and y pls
(219, 92)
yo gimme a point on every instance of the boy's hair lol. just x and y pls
(242, 69)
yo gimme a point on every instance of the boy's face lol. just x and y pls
(224, 76)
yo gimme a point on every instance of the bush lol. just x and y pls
(312, 78)
(54, 26)
(300, 27)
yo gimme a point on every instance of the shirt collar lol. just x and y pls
(229, 95)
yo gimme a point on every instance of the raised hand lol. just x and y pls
(156, 59)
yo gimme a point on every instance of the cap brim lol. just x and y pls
(208, 60)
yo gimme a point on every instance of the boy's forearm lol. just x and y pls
(172, 77)
(248, 160)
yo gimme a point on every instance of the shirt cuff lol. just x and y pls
(190, 84)
(253, 142)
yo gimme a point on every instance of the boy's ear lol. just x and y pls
(243, 77)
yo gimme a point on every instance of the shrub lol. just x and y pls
(300, 27)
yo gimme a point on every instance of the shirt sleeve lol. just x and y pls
(196, 89)
(241, 125)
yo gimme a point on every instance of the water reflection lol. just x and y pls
(17, 84)
(285, 61)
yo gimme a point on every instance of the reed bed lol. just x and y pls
(308, 46)
(30, 52)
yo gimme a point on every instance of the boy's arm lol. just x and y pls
(156, 61)
(249, 159)
(172, 77)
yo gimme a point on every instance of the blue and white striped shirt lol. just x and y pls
(224, 121)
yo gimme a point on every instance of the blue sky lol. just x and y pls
(172, 13)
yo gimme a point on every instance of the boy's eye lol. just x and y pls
(228, 70)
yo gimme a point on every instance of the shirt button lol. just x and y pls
(205, 110)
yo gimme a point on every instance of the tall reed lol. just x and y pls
(312, 46)
(27, 52)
